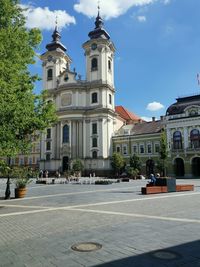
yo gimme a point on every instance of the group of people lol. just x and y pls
(153, 178)
(43, 174)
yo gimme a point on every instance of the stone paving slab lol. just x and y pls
(44, 236)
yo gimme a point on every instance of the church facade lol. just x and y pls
(85, 108)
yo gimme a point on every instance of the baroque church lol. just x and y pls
(85, 108)
(90, 127)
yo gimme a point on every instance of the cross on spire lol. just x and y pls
(98, 7)
(56, 21)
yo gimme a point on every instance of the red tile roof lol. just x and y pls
(127, 115)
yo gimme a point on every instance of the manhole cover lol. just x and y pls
(165, 255)
(86, 246)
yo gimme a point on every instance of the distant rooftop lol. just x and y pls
(127, 115)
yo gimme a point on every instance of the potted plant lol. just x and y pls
(21, 179)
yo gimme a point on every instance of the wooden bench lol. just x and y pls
(184, 187)
(153, 189)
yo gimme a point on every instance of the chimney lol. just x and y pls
(153, 118)
(161, 118)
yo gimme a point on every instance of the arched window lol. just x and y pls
(94, 154)
(94, 97)
(94, 64)
(66, 134)
(48, 146)
(94, 142)
(49, 74)
(177, 140)
(109, 65)
(195, 138)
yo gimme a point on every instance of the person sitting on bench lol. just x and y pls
(153, 179)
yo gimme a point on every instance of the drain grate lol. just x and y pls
(165, 255)
(86, 246)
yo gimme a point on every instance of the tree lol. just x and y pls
(22, 112)
(135, 166)
(77, 166)
(135, 162)
(117, 163)
(163, 152)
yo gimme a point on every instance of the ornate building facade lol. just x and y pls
(85, 109)
(182, 123)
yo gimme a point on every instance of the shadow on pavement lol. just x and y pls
(185, 255)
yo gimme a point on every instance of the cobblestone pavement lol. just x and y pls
(134, 230)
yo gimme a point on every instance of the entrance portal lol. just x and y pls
(65, 165)
(179, 167)
(196, 166)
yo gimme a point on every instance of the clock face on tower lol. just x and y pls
(94, 46)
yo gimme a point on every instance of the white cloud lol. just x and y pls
(146, 118)
(154, 106)
(141, 18)
(109, 9)
(44, 18)
(166, 2)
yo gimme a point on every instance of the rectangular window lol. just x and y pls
(94, 142)
(48, 133)
(149, 149)
(141, 149)
(118, 149)
(157, 148)
(125, 150)
(110, 99)
(94, 128)
(48, 146)
(94, 98)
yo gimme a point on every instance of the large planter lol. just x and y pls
(20, 192)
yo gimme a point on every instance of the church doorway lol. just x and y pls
(65, 165)
(149, 167)
(196, 166)
(179, 167)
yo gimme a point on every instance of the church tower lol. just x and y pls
(99, 52)
(55, 61)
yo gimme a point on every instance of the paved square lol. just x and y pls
(133, 229)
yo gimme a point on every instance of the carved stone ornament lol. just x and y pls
(66, 99)
(66, 149)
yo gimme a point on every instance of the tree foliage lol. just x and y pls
(163, 152)
(135, 162)
(21, 111)
(77, 165)
(117, 162)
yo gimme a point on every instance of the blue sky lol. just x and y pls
(157, 45)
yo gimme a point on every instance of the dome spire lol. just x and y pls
(99, 31)
(55, 43)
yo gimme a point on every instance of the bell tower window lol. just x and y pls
(94, 64)
(109, 65)
(94, 98)
(49, 74)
